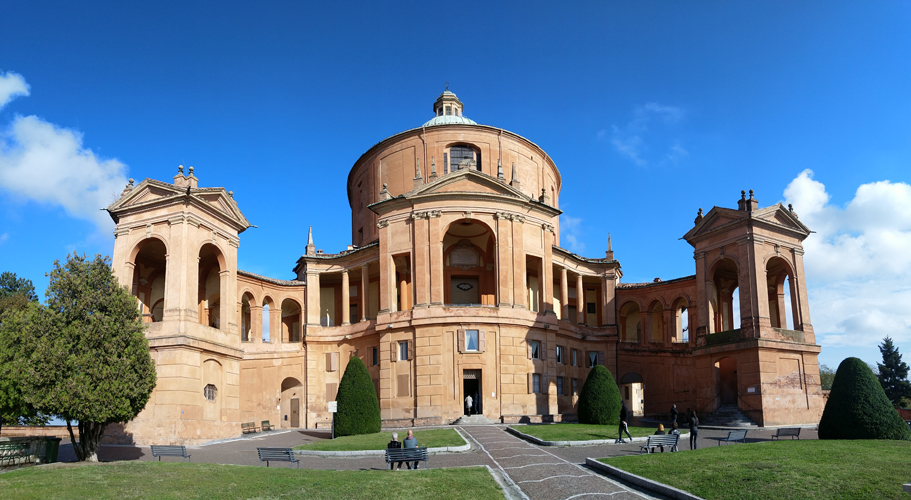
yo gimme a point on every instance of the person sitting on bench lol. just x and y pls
(660, 432)
(395, 443)
(411, 442)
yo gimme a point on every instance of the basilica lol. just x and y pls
(455, 284)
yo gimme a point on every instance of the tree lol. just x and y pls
(599, 401)
(858, 407)
(826, 377)
(358, 407)
(14, 409)
(85, 355)
(10, 285)
(893, 373)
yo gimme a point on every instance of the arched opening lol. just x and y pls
(630, 322)
(469, 264)
(681, 321)
(632, 390)
(292, 394)
(464, 156)
(781, 294)
(211, 275)
(724, 302)
(246, 317)
(148, 284)
(726, 380)
(291, 321)
(656, 322)
(211, 387)
(268, 305)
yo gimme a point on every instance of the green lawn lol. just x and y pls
(580, 432)
(431, 438)
(123, 480)
(781, 469)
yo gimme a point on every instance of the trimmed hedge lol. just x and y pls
(599, 402)
(858, 407)
(358, 407)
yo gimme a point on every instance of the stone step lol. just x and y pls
(474, 420)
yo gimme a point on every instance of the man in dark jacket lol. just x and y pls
(395, 443)
(674, 413)
(624, 414)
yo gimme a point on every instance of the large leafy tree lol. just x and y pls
(893, 373)
(599, 401)
(358, 407)
(15, 296)
(858, 407)
(826, 377)
(85, 354)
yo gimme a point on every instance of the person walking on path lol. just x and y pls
(624, 414)
(468, 404)
(411, 442)
(694, 430)
(395, 443)
(674, 413)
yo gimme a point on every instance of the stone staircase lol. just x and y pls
(727, 416)
(475, 420)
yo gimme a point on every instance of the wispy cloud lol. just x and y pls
(12, 85)
(3, 238)
(630, 140)
(45, 163)
(570, 233)
(858, 267)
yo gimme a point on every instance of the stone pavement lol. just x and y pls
(541, 472)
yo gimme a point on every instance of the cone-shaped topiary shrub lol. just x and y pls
(858, 407)
(358, 408)
(599, 402)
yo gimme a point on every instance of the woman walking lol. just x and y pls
(694, 430)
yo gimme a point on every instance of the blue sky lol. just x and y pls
(651, 110)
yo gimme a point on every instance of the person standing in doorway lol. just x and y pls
(694, 430)
(624, 414)
(674, 413)
(468, 402)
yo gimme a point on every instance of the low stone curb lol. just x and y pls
(593, 442)
(364, 453)
(640, 481)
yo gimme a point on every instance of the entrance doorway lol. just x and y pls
(292, 393)
(726, 376)
(632, 390)
(464, 290)
(295, 412)
(471, 386)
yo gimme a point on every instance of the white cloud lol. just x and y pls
(858, 266)
(630, 139)
(570, 231)
(42, 162)
(12, 85)
(3, 238)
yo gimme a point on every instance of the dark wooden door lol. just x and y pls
(295, 412)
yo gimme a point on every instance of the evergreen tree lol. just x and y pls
(14, 409)
(85, 356)
(858, 407)
(893, 373)
(599, 401)
(358, 407)
(10, 285)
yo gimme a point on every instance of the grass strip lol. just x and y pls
(795, 470)
(580, 432)
(431, 438)
(125, 480)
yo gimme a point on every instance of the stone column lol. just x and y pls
(225, 299)
(564, 295)
(435, 239)
(646, 324)
(670, 325)
(608, 298)
(800, 307)
(421, 278)
(542, 287)
(504, 261)
(312, 298)
(365, 291)
(275, 324)
(548, 272)
(580, 300)
(256, 318)
(346, 299)
(520, 287)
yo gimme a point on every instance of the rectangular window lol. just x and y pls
(592, 359)
(536, 383)
(559, 386)
(331, 361)
(403, 351)
(535, 349)
(573, 314)
(471, 340)
(575, 387)
(448, 110)
(376, 355)
(561, 356)
(590, 307)
(575, 357)
(404, 385)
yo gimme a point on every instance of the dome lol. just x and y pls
(449, 120)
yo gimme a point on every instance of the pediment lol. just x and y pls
(468, 181)
(779, 216)
(775, 216)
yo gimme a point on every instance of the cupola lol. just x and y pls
(448, 110)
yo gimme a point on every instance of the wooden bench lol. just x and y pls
(794, 432)
(277, 455)
(407, 455)
(733, 437)
(267, 426)
(249, 427)
(169, 451)
(14, 451)
(668, 440)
